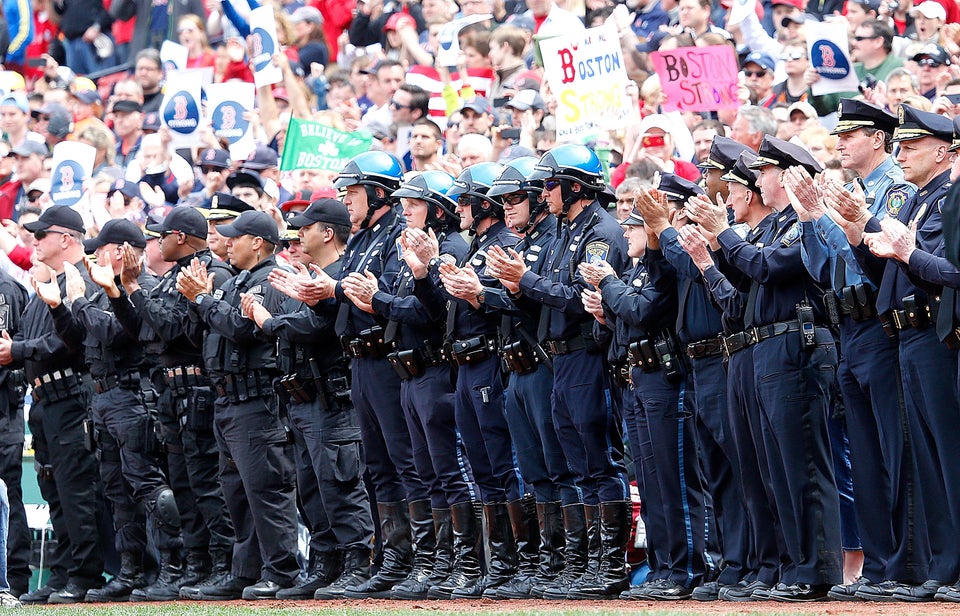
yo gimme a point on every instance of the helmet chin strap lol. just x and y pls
(568, 195)
(535, 211)
(374, 203)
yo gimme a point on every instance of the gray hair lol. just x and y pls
(897, 73)
(630, 185)
(760, 119)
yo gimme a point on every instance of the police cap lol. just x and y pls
(784, 155)
(853, 114)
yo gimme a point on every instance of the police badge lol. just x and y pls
(597, 251)
(896, 197)
(791, 236)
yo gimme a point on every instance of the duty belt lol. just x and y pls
(563, 347)
(129, 380)
(473, 350)
(180, 378)
(711, 347)
(412, 363)
(243, 388)
(369, 343)
(737, 342)
(765, 332)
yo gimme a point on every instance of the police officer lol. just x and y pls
(127, 429)
(540, 457)
(66, 469)
(369, 180)
(427, 392)
(873, 401)
(256, 462)
(224, 208)
(784, 306)
(724, 153)
(471, 332)
(587, 423)
(164, 318)
(905, 305)
(316, 386)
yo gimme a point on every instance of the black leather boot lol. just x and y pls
(442, 560)
(397, 554)
(465, 570)
(324, 568)
(220, 584)
(416, 585)
(501, 549)
(575, 553)
(611, 576)
(196, 568)
(167, 586)
(523, 521)
(128, 579)
(356, 571)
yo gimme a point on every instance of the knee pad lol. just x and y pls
(164, 505)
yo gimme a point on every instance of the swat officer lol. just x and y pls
(316, 384)
(873, 401)
(66, 469)
(126, 428)
(785, 308)
(471, 333)
(586, 421)
(224, 208)
(163, 315)
(256, 462)
(906, 306)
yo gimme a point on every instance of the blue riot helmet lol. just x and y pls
(372, 170)
(515, 178)
(471, 188)
(572, 164)
(432, 187)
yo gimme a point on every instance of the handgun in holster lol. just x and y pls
(916, 312)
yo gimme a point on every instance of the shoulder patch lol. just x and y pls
(597, 251)
(896, 197)
(448, 258)
(218, 294)
(399, 250)
(791, 236)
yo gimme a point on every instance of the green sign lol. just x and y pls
(312, 145)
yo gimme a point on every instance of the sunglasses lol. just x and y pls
(515, 198)
(793, 55)
(760, 73)
(45, 232)
(551, 184)
(928, 62)
(164, 234)
(34, 198)
(396, 105)
(865, 38)
(205, 169)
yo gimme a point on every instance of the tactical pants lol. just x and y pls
(540, 456)
(387, 451)
(192, 527)
(479, 411)
(309, 501)
(331, 438)
(127, 429)
(428, 405)
(11, 471)
(793, 388)
(74, 493)
(588, 426)
(258, 481)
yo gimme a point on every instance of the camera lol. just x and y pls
(869, 82)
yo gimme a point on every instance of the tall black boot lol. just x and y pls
(550, 518)
(416, 585)
(465, 570)
(128, 579)
(167, 586)
(196, 568)
(323, 569)
(442, 559)
(501, 549)
(575, 553)
(611, 577)
(397, 554)
(356, 571)
(221, 585)
(523, 523)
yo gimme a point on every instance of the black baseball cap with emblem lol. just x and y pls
(225, 205)
(116, 231)
(184, 219)
(330, 211)
(57, 216)
(935, 53)
(257, 224)
(214, 157)
(917, 124)
(262, 157)
(741, 173)
(724, 152)
(853, 114)
(678, 188)
(245, 177)
(784, 155)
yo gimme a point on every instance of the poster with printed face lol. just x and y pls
(829, 51)
(226, 105)
(72, 164)
(180, 109)
(586, 73)
(263, 44)
(698, 78)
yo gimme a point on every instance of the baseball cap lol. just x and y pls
(245, 178)
(28, 147)
(794, 3)
(182, 218)
(128, 189)
(88, 97)
(60, 123)
(257, 224)
(126, 106)
(116, 231)
(151, 121)
(261, 158)
(214, 157)
(526, 99)
(301, 198)
(934, 52)
(930, 9)
(760, 59)
(16, 99)
(57, 216)
(329, 211)
(478, 104)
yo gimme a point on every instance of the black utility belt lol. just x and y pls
(915, 315)
(653, 354)
(858, 301)
(564, 346)
(242, 388)
(412, 363)
(369, 343)
(737, 342)
(57, 385)
(327, 390)
(711, 347)
(765, 332)
(473, 350)
(128, 380)
(620, 373)
(182, 378)
(521, 357)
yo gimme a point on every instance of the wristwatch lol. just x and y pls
(432, 263)
(199, 298)
(482, 295)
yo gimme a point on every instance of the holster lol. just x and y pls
(643, 355)
(519, 357)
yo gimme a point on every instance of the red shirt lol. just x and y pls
(682, 168)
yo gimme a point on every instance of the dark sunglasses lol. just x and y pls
(205, 170)
(515, 198)
(865, 38)
(396, 105)
(164, 234)
(551, 184)
(34, 198)
(760, 73)
(45, 232)
(929, 62)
